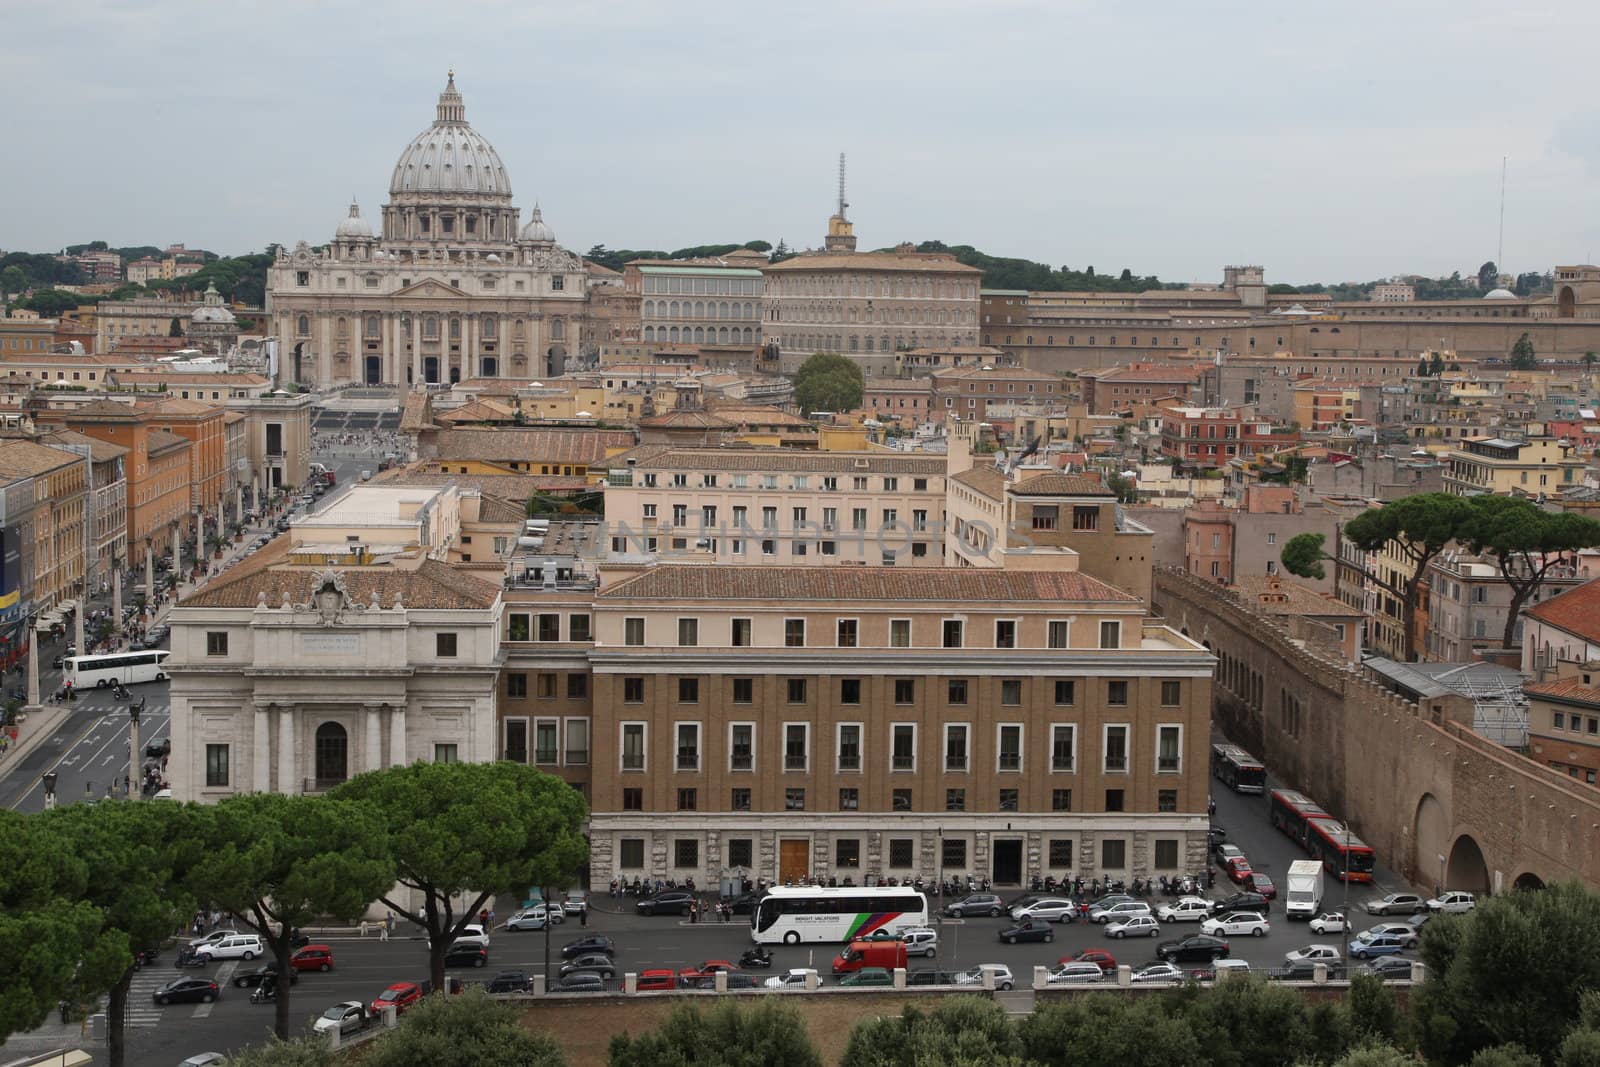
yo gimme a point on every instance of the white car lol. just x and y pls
(1407, 934)
(921, 941)
(1314, 953)
(238, 947)
(213, 937)
(1134, 926)
(1074, 973)
(576, 902)
(1330, 922)
(1002, 976)
(534, 918)
(1456, 903)
(1049, 909)
(1236, 924)
(1186, 910)
(472, 934)
(1124, 910)
(346, 1017)
(1157, 972)
(794, 979)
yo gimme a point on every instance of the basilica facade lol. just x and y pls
(454, 287)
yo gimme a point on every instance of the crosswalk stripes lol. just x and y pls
(224, 978)
(142, 1010)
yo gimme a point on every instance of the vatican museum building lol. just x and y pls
(454, 287)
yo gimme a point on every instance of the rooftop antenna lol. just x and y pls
(843, 203)
(1500, 247)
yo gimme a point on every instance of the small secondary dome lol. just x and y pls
(353, 225)
(1499, 294)
(537, 230)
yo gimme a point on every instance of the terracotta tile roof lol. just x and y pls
(758, 414)
(927, 261)
(431, 585)
(989, 371)
(1565, 690)
(777, 460)
(99, 451)
(1059, 485)
(176, 405)
(856, 584)
(416, 413)
(515, 486)
(494, 509)
(159, 441)
(479, 410)
(23, 459)
(1145, 374)
(1274, 596)
(522, 445)
(985, 479)
(685, 420)
(100, 408)
(1577, 611)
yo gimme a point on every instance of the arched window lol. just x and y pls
(649, 333)
(430, 327)
(488, 327)
(673, 335)
(749, 335)
(558, 329)
(303, 326)
(333, 754)
(722, 333)
(372, 326)
(342, 327)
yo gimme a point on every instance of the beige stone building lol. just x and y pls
(699, 301)
(1512, 467)
(452, 289)
(60, 507)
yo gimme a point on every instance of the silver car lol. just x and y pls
(1049, 909)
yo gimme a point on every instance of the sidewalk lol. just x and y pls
(32, 733)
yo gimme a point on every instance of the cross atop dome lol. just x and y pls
(451, 109)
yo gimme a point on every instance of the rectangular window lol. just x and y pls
(849, 746)
(516, 686)
(955, 747)
(1011, 692)
(900, 851)
(1114, 799)
(1110, 634)
(1008, 800)
(688, 800)
(1063, 747)
(688, 746)
(744, 690)
(216, 642)
(903, 746)
(1117, 692)
(899, 633)
(688, 633)
(550, 627)
(901, 799)
(633, 690)
(1116, 748)
(216, 766)
(1113, 854)
(1060, 800)
(577, 686)
(545, 733)
(797, 690)
(794, 799)
(741, 852)
(1005, 633)
(546, 683)
(444, 645)
(955, 691)
(1009, 747)
(741, 746)
(952, 633)
(847, 851)
(1065, 691)
(794, 633)
(1059, 632)
(633, 755)
(740, 636)
(1086, 517)
(685, 850)
(577, 750)
(739, 800)
(633, 631)
(1061, 854)
(1171, 694)
(905, 690)
(444, 754)
(1169, 749)
(1166, 800)
(847, 633)
(796, 746)
(633, 799)
(1166, 854)
(630, 852)
(688, 690)
(849, 690)
(954, 853)
(955, 800)
(849, 799)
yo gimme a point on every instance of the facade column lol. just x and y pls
(116, 595)
(150, 572)
(325, 364)
(397, 736)
(385, 356)
(77, 623)
(471, 330)
(238, 502)
(33, 666)
(287, 783)
(263, 749)
(374, 760)
(416, 348)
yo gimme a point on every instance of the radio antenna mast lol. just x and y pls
(843, 203)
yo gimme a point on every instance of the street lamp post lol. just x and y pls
(134, 712)
(49, 780)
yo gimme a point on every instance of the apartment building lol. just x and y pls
(980, 393)
(1564, 723)
(1117, 389)
(1506, 467)
(776, 506)
(1210, 437)
(60, 499)
(1467, 603)
(708, 301)
(791, 721)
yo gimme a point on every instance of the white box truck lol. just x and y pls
(1303, 893)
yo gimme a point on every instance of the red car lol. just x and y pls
(402, 995)
(1260, 883)
(1107, 962)
(707, 971)
(312, 958)
(1238, 869)
(657, 979)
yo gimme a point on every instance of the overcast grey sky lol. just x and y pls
(1330, 142)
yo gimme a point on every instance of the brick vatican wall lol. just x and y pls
(1415, 783)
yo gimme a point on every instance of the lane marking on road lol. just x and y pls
(38, 778)
(223, 978)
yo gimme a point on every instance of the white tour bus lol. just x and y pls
(792, 914)
(124, 667)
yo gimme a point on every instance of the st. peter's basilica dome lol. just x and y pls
(450, 156)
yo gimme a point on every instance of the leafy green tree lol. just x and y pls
(1512, 1055)
(828, 381)
(278, 862)
(958, 1031)
(1374, 1012)
(781, 252)
(1249, 1022)
(470, 831)
(1580, 1048)
(1375, 1056)
(763, 1034)
(1422, 367)
(1109, 1029)
(1522, 354)
(1527, 544)
(175, 327)
(758, 246)
(469, 1030)
(52, 302)
(12, 280)
(1436, 364)
(1488, 275)
(140, 855)
(1551, 938)
(1417, 528)
(46, 925)
(301, 1052)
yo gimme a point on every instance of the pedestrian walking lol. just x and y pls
(388, 926)
(363, 929)
(694, 911)
(492, 919)
(583, 915)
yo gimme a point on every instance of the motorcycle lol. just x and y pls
(265, 992)
(187, 957)
(756, 959)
